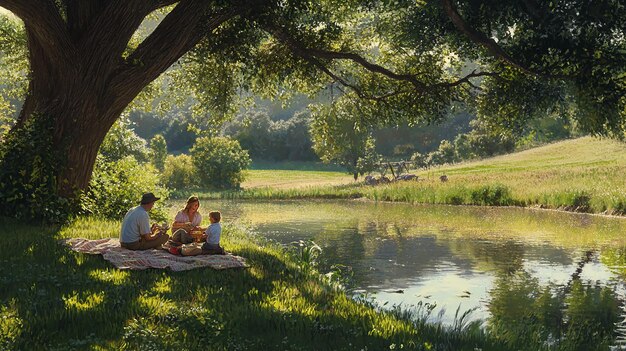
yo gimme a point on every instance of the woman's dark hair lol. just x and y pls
(190, 201)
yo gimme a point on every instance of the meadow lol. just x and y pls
(582, 175)
(293, 179)
(56, 299)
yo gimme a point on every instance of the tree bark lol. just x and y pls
(79, 78)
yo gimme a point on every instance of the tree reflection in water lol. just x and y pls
(574, 316)
(538, 280)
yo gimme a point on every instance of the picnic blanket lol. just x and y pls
(123, 258)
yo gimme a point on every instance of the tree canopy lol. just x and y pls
(398, 61)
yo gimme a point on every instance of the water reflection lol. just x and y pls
(530, 275)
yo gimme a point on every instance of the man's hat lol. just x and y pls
(148, 198)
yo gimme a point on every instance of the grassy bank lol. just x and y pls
(54, 299)
(293, 179)
(584, 175)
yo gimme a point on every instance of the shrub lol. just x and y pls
(447, 152)
(219, 162)
(180, 173)
(370, 161)
(122, 141)
(29, 164)
(158, 151)
(116, 186)
(420, 160)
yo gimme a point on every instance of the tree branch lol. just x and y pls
(110, 29)
(305, 53)
(492, 47)
(466, 79)
(157, 4)
(43, 20)
(312, 55)
(315, 62)
(178, 33)
(380, 98)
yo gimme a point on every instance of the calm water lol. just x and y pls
(501, 262)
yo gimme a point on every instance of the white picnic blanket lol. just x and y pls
(123, 258)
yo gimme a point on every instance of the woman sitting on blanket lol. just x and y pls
(187, 220)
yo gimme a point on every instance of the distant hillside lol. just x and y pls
(564, 155)
(585, 174)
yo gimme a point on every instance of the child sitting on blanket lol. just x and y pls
(212, 244)
(213, 234)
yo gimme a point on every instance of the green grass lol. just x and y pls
(296, 166)
(584, 175)
(293, 179)
(52, 298)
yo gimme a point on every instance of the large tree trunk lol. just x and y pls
(80, 104)
(80, 82)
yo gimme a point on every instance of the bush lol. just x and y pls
(447, 152)
(158, 151)
(29, 164)
(122, 141)
(116, 186)
(420, 160)
(180, 173)
(219, 162)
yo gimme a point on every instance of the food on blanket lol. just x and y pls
(197, 235)
(160, 229)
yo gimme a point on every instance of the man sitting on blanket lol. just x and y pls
(137, 234)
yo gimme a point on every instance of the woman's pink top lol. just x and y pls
(182, 217)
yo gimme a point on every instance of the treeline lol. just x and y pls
(483, 140)
(273, 140)
(297, 138)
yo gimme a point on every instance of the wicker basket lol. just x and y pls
(197, 235)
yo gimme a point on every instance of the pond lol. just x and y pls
(506, 265)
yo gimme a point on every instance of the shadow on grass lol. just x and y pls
(54, 298)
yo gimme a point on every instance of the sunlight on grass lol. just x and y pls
(30, 250)
(10, 324)
(113, 276)
(256, 273)
(580, 174)
(163, 285)
(80, 259)
(155, 305)
(82, 301)
(286, 298)
(200, 296)
(283, 179)
(91, 228)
